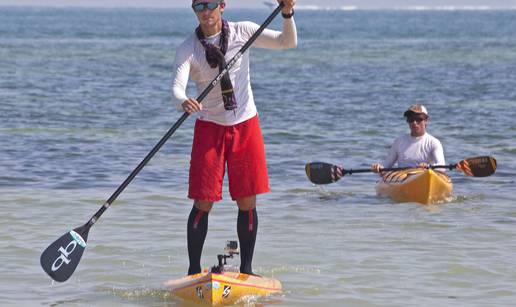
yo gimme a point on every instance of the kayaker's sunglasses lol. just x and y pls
(415, 119)
(199, 7)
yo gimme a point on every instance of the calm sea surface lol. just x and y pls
(84, 96)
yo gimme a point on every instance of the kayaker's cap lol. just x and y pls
(416, 109)
(206, 1)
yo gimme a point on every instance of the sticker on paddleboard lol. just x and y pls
(226, 292)
(198, 290)
(216, 285)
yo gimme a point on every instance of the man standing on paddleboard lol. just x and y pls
(227, 130)
(418, 148)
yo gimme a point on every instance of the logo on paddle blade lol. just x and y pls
(65, 252)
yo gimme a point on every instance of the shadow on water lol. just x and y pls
(66, 302)
(346, 195)
(325, 194)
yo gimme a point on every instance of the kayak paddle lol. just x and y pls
(60, 259)
(324, 173)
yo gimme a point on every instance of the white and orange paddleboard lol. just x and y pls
(224, 288)
(222, 285)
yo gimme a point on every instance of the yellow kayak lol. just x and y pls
(225, 288)
(222, 285)
(424, 186)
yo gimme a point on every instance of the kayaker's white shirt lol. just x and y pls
(190, 62)
(409, 151)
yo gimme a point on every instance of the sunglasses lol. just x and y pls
(199, 7)
(415, 119)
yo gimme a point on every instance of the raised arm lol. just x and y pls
(272, 39)
(285, 39)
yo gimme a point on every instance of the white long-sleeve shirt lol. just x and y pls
(190, 62)
(409, 151)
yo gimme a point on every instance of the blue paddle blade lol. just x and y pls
(60, 259)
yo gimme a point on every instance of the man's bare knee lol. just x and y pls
(203, 205)
(246, 203)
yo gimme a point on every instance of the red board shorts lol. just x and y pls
(240, 147)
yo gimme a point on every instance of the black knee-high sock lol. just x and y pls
(196, 234)
(247, 227)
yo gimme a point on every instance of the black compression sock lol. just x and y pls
(196, 234)
(247, 227)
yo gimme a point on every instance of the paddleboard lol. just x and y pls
(224, 288)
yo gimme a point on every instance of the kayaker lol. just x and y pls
(417, 149)
(227, 129)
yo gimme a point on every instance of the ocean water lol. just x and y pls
(84, 95)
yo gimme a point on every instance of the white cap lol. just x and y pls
(416, 109)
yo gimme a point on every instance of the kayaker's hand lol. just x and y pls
(376, 167)
(424, 165)
(191, 105)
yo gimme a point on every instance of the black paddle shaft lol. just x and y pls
(368, 170)
(185, 115)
